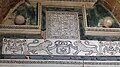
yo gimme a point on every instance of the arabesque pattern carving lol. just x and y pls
(60, 47)
(62, 25)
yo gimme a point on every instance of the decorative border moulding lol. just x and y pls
(60, 47)
(57, 63)
(41, 63)
(66, 3)
(20, 61)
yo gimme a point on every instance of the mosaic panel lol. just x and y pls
(62, 25)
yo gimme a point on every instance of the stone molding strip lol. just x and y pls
(69, 62)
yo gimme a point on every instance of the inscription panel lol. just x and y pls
(62, 25)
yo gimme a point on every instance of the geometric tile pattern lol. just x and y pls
(60, 47)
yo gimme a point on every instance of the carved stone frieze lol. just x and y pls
(60, 47)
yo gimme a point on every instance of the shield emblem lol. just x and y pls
(63, 47)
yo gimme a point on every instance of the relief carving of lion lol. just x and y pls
(79, 46)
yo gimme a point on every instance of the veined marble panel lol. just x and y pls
(60, 47)
(62, 25)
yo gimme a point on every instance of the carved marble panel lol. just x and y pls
(62, 25)
(60, 47)
(13, 46)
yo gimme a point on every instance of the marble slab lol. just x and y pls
(62, 25)
(60, 47)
